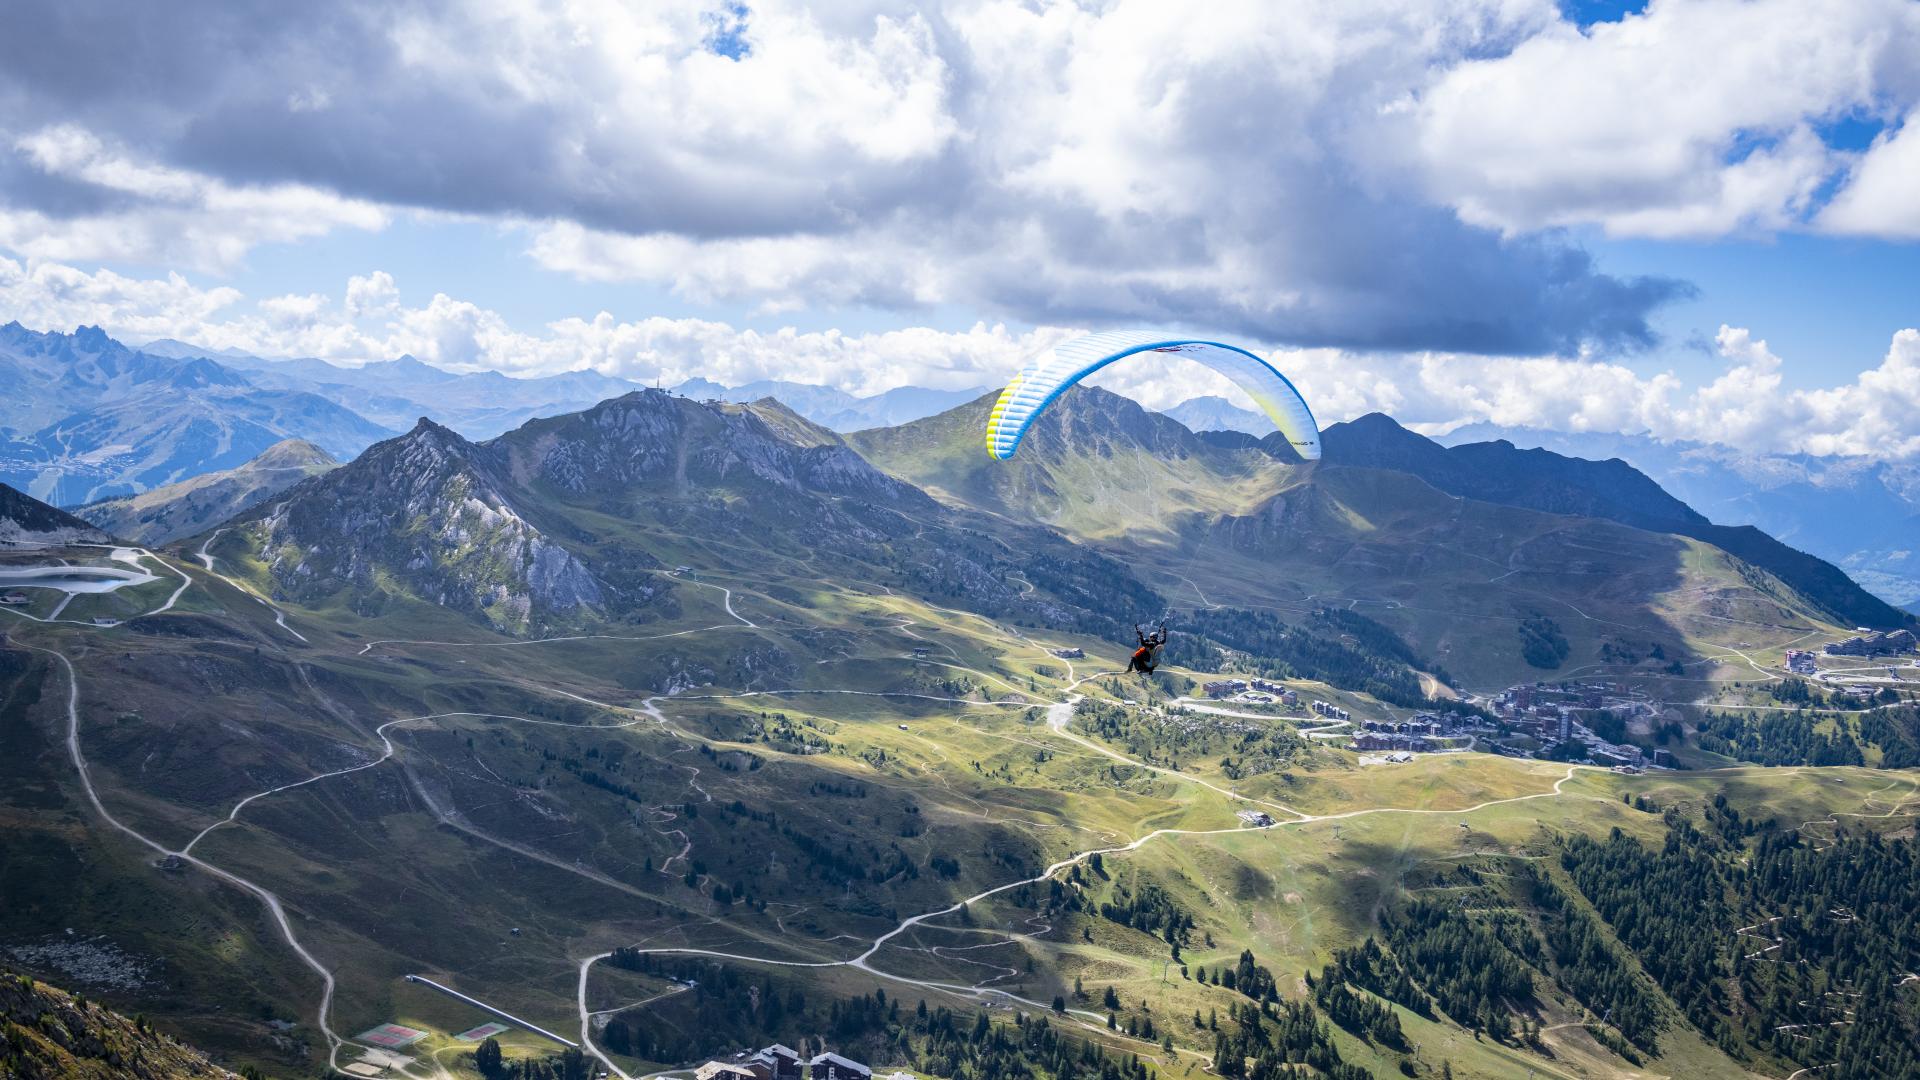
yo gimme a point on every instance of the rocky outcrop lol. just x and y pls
(48, 1034)
(435, 514)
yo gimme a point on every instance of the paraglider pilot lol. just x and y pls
(1147, 656)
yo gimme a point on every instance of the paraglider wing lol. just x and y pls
(1048, 375)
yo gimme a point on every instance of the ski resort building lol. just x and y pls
(835, 1067)
(1875, 644)
(779, 1062)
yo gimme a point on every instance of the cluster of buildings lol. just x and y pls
(1331, 711)
(1871, 643)
(1801, 662)
(1259, 691)
(1425, 731)
(779, 1062)
(1069, 654)
(1552, 713)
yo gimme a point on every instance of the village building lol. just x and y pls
(1875, 644)
(834, 1067)
(1220, 688)
(780, 1063)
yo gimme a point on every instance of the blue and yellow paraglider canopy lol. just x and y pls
(1048, 375)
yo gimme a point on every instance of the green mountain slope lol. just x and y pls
(168, 513)
(1096, 466)
(1543, 480)
(1225, 519)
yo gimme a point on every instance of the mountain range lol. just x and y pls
(576, 520)
(84, 417)
(1861, 514)
(1612, 489)
(163, 415)
(483, 404)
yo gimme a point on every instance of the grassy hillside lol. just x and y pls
(1097, 466)
(1210, 523)
(172, 511)
(812, 784)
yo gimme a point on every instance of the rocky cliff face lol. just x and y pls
(436, 515)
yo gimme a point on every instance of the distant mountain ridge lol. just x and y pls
(1612, 489)
(834, 409)
(130, 420)
(481, 405)
(84, 417)
(1219, 414)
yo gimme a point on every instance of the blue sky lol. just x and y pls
(1451, 211)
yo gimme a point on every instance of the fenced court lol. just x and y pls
(391, 1036)
(483, 1032)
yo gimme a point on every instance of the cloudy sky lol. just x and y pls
(1696, 217)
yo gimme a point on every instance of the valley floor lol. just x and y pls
(531, 824)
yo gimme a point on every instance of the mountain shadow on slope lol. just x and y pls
(1542, 480)
(25, 520)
